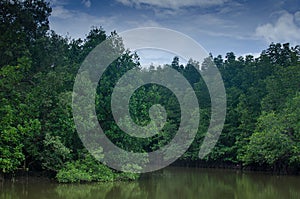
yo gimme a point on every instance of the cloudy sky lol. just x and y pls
(220, 26)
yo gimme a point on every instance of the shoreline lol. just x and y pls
(289, 171)
(25, 175)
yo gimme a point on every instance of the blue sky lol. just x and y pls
(220, 26)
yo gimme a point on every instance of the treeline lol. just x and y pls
(37, 72)
(262, 127)
(37, 131)
(262, 124)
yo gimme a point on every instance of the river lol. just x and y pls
(173, 183)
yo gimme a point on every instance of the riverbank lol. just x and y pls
(233, 166)
(171, 182)
(21, 175)
(105, 176)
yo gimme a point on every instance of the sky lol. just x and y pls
(220, 26)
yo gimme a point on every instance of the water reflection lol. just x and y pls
(169, 183)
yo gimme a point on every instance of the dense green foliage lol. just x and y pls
(88, 169)
(37, 72)
(37, 131)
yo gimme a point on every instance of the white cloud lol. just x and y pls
(57, 2)
(234, 35)
(156, 57)
(285, 29)
(142, 23)
(255, 55)
(77, 23)
(86, 3)
(297, 17)
(61, 12)
(172, 4)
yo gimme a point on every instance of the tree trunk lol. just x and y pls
(2, 177)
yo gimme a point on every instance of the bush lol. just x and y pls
(90, 170)
(85, 170)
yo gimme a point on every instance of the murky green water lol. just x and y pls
(181, 183)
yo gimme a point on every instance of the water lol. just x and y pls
(173, 183)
